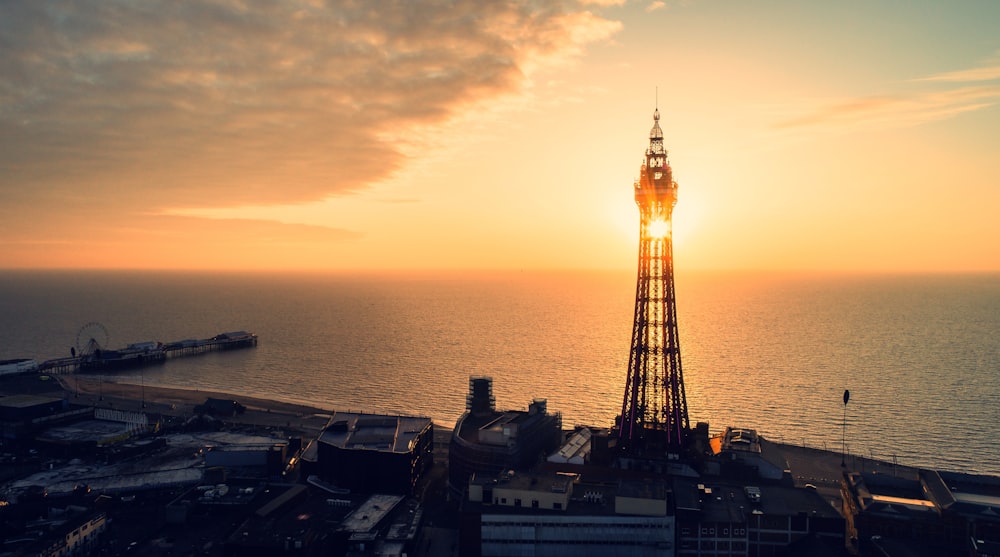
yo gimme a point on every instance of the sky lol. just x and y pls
(854, 136)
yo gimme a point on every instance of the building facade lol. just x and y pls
(372, 453)
(486, 442)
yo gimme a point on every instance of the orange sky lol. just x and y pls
(470, 135)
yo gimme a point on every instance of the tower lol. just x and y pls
(654, 418)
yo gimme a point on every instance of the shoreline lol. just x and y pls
(157, 394)
(813, 465)
(181, 403)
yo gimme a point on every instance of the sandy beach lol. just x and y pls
(182, 402)
(74, 384)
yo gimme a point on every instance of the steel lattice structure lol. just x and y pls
(654, 409)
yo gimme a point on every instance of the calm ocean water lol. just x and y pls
(920, 354)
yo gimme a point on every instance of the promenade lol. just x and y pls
(809, 466)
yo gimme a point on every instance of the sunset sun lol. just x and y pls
(659, 228)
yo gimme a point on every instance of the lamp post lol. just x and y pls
(843, 442)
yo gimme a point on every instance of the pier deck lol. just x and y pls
(147, 356)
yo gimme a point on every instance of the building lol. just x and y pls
(253, 460)
(19, 365)
(80, 535)
(741, 453)
(372, 453)
(553, 515)
(941, 512)
(654, 418)
(22, 416)
(220, 407)
(724, 518)
(486, 442)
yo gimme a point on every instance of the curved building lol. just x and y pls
(486, 442)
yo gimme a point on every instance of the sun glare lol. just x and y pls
(658, 228)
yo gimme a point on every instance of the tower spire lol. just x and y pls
(654, 418)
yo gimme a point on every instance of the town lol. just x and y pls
(92, 472)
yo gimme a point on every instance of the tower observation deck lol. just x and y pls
(654, 419)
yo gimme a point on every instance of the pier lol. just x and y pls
(145, 354)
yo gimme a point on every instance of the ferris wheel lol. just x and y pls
(91, 339)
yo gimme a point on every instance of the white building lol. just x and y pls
(555, 515)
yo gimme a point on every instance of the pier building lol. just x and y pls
(486, 441)
(19, 365)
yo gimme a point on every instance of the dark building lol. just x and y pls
(549, 514)
(486, 442)
(371, 453)
(220, 407)
(944, 513)
(716, 518)
(22, 416)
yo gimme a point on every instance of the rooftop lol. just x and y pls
(366, 517)
(728, 502)
(395, 434)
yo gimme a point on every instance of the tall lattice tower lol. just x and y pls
(654, 418)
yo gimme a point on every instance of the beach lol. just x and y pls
(87, 390)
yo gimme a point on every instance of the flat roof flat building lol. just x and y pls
(373, 453)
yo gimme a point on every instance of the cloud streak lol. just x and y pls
(969, 90)
(987, 72)
(898, 110)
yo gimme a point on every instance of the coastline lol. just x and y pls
(177, 396)
(808, 465)
(171, 401)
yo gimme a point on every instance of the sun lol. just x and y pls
(658, 228)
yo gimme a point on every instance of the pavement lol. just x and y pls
(825, 469)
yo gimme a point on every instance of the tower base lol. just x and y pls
(651, 453)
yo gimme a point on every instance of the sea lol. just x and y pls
(919, 354)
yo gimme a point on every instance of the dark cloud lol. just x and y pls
(141, 105)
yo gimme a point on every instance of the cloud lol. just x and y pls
(918, 105)
(898, 110)
(134, 107)
(990, 71)
(653, 6)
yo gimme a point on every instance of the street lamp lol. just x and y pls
(843, 445)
